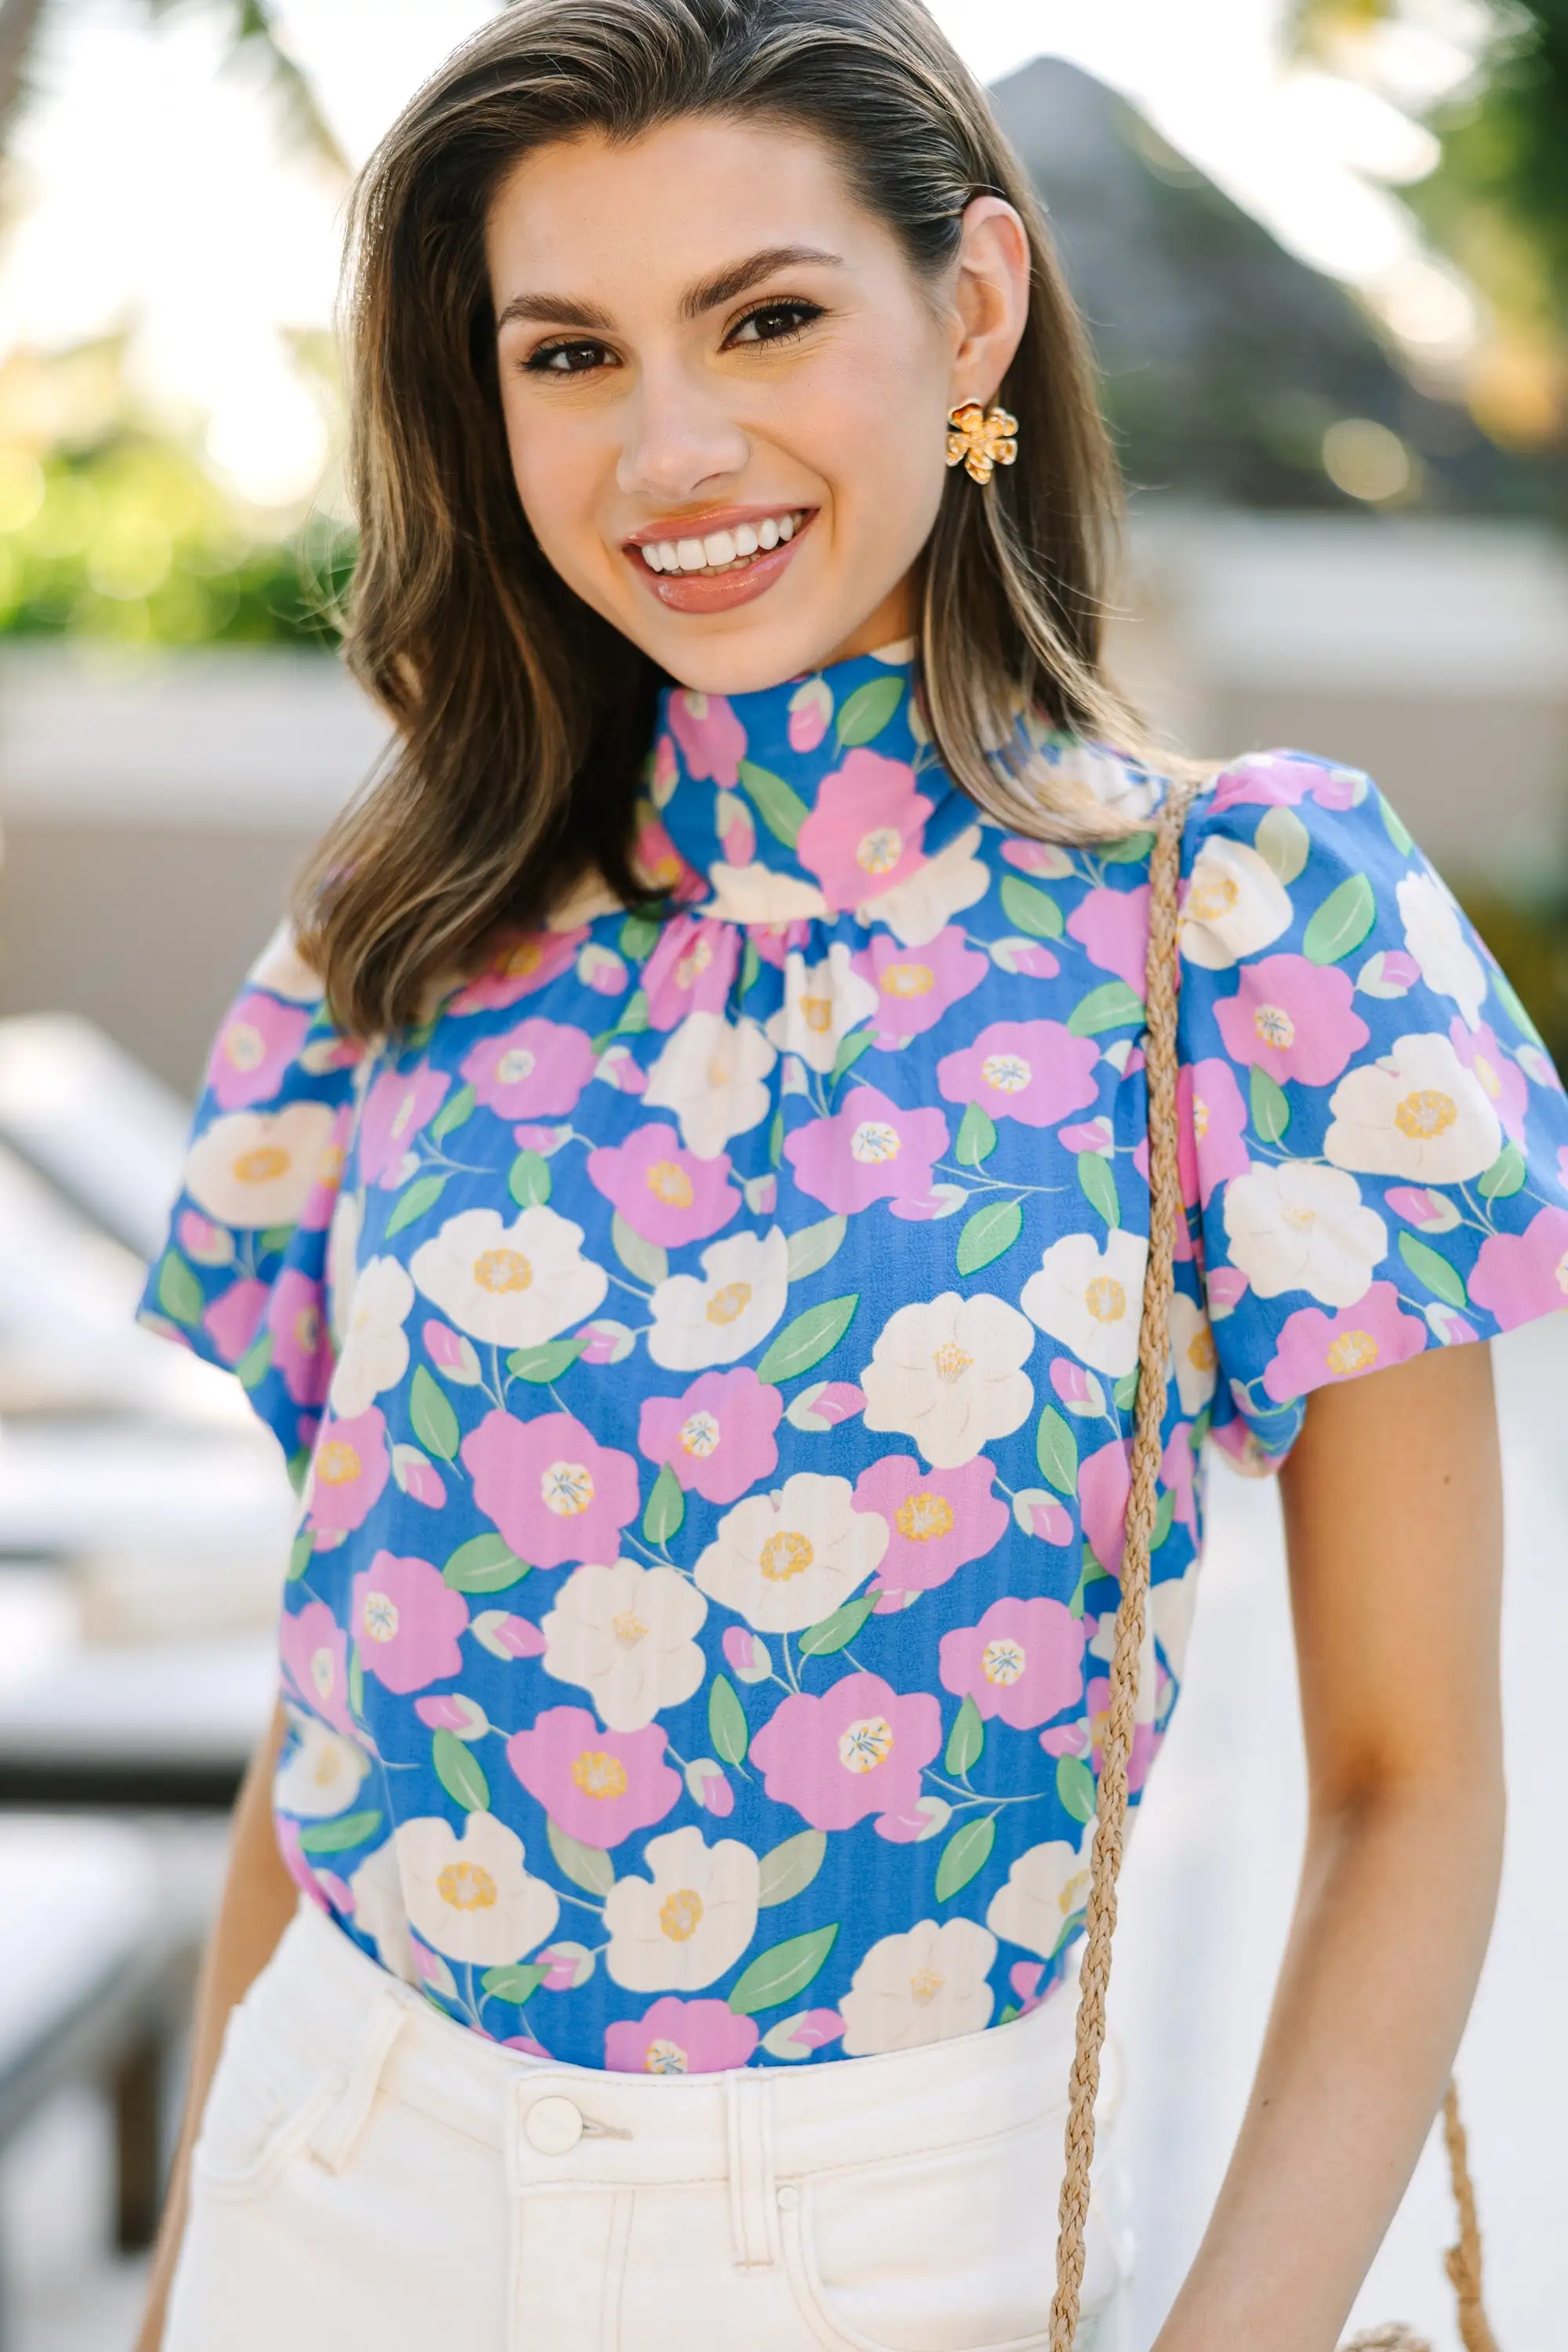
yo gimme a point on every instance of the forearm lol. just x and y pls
(1390, 1925)
(258, 1900)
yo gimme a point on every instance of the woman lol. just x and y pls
(682, 1204)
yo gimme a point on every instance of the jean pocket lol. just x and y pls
(258, 2116)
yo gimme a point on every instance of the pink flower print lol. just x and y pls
(860, 1749)
(865, 832)
(690, 970)
(1024, 1660)
(1103, 1484)
(554, 1492)
(870, 1150)
(1502, 1081)
(407, 1622)
(664, 1192)
(711, 739)
(256, 1044)
(519, 1637)
(1112, 928)
(661, 865)
(1050, 1520)
(599, 1786)
(1224, 1287)
(745, 1654)
(519, 963)
(1211, 1128)
(535, 1071)
(1145, 1738)
(207, 1244)
(718, 1437)
(1033, 1071)
(680, 2037)
(398, 1105)
(300, 1349)
(937, 1519)
(1092, 1135)
(1282, 780)
(419, 1478)
(1292, 1018)
(314, 1650)
(322, 1197)
(1521, 1276)
(915, 985)
(451, 1353)
(348, 1470)
(1178, 1474)
(1428, 1211)
(1044, 857)
(737, 833)
(1315, 1348)
(810, 709)
(232, 1320)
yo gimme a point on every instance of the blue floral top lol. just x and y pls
(706, 1346)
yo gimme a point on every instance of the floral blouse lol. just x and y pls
(706, 1349)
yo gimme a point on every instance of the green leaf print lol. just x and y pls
(275, 1239)
(1508, 998)
(639, 937)
(1124, 1395)
(1434, 1271)
(776, 1137)
(1506, 1174)
(180, 1293)
(431, 1412)
(966, 1740)
(1283, 843)
(976, 1136)
(452, 1114)
(356, 1683)
(790, 1868)
(484, 1564)
(635, 1015)
(1342, 922)
(529, 1180)
(851, 1049)
(1055, 1451)
(587, 1866)
(1099, 1186)
(988, 1234)
(750, 965)
(514, 1983)
(779, 1974)
(1129, 851)
(836, 1633)
(1271, 1106)
(966, 1853)
(1164, 1519)
(666, 1508)
(548, 1361)
(336, 1837)
(645, 1259)
(780, 807)
(254, 1365)
(808, 1339)
(727, 1726)
(420, 1198)
(1394, 826)
(1114, 1006)
(1074, 1787)
(459, 1773)
(1031, 910)
(810, 1249)
(300, 1552)
(863, 714)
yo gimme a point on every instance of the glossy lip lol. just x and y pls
(690, 591)
(703, 526)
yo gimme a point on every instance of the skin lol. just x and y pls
(669, 413)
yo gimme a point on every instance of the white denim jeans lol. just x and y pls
(371, 2175)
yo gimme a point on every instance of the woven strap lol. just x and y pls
(1165, 1207)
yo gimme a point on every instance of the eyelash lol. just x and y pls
(803, 313)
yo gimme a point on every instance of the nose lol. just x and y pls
(680, 443)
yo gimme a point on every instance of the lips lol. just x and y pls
(739, 555)
(720, 550)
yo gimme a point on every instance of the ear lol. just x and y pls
(990, 299)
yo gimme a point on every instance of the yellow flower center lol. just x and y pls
(628, 1629)
(262, 1166)
(925, 1986)
(680, 1914)
(669, 1182)
(245, 1045)
(816, 1012)
(1074, 1893)
(566, 1489)
(337, 1464)
(1200, 1119)
(731, 1299)
(1105, 1299)
(922, 1517)
(949, 1361)
(718, 1071)
(1002, 1662)
(664, 2058)
(1274, 1026)
(500, 1270)
(521, 960)
(329, 1167)
(907, 980)
(878, 851)
(307, 1328)
(875, 1141)
(467, 1886)
(1202, 1353)
(1216, 895)
(1425, 1114)
(1298, 1217)
(599, 1774)
(693, 963)
(863, 1746)
(1351, 1351)
(787, 1554)
(323, 1671)
(378, 1617)
(699, 1434)
(1487, 1073)
(515, 1065)
(1005, 1073)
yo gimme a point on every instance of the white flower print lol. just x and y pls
(1435, 937)
(919, 907)
(471, 1897)
(741, 1293)
(1192, 1353)
(624, 1633)
(343, 1264)
(1046, 1887)
(1302, 1228)
(710, 1075)
(1235, 904)
(756, 893)
(1417, 1112)
(256, 1168)
(322, 1775)
(514, 1285)
(786, 1561)
(375, 1346)
(281, 968)
(1090, 1298)
(823, 1003)
(1170, 1605)
(380, 1912)
(928, 1985)
(683, 1928)
(947, 1372)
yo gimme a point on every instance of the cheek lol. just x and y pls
(554, 467)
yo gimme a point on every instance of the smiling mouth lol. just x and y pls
(721, 553)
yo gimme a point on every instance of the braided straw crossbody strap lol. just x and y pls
(1165, 1206)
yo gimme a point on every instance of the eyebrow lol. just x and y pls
(736, 278)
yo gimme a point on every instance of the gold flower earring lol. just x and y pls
(978, 442)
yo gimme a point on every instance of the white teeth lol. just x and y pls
(768, 533)
(652, 558)
(746, 539)
(720, 548)
(689, 555)
(668, 556)
(786, 528)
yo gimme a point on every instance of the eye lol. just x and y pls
(775, 323)
(565, 359)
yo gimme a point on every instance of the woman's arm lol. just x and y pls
(1394, 1520)
(258, 1900)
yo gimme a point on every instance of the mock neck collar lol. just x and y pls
(814, 798)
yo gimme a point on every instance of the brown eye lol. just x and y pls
(565, 359)
(775, 323)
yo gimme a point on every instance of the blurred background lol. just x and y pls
(1322, 245)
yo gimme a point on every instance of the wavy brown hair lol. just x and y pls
(523, 718)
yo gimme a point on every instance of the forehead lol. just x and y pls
(641, 219)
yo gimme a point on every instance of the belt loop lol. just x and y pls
(335, 2138)
(754, 2201)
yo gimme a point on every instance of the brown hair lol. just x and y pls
(523, 719)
